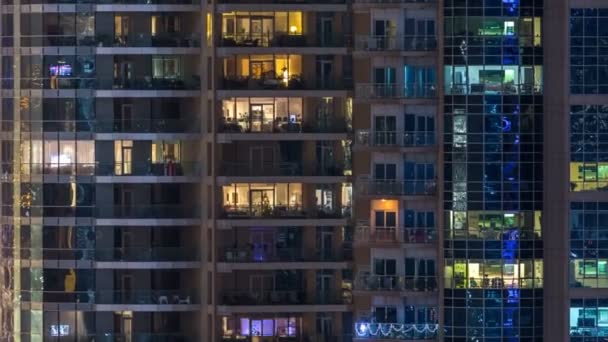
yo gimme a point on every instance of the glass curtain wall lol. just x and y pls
(493, 170)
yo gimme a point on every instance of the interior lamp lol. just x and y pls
(293, 29)
(285, 75)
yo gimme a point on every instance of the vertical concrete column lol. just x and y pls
(556, 159)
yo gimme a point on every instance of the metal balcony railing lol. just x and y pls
(106, 126)
(284, 212)
(176, 39)
(101, 83)
(92, 296)
(291, 168)
(151, 211)
(395, 43)
(283, 39)
(129, 254)
(253, 254)
(390, 187)
(282, 125)
(278, 82)
(141, 337)
(278, 297)
(394, 138)
(397, 1)
(395, 331)
(414, 235)
(396, 91)
(117, 2)
(372, 282)
(142, 168)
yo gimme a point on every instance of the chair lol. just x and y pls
(185, 300)
(163, 300)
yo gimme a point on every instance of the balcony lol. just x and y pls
(270, 81)
(394, 235)
(141, 337)
(391, 187)
(150, 211)
(167, 169)
(191, 169)
(142, 83)
(251, 124)
(395, 283)
(128, 254)
(187, 40)
(158, 125)
(175, 39)
(278, 297)
(277, 169)
(252, 254)
(158, 211)
(395, 139)
(115, 2)
(135, 297)
(395, 331)
(283, 39)
(379, 91)
(395, 43)
(256, 2)
(283, 212)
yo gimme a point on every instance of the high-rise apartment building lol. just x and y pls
(311, 171)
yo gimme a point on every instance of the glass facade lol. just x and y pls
(493, 170)
(589, 244)
(588, 51)
(588, 148)
(588, 319)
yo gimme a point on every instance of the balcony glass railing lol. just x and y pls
(281, 39)
(111, 2)
(175, 39)
(134, 83)
(245, 211)
(253, 254)
(141, 337)
(278, 297)
(128, 254)
(106, 126)
(143, 168)
(257, 169)
(278, 82)
(151, 211)
(281, 2)
(395, 43)
(281, 125)
(390, 187)
(372, 282)
(396, 91)
(145, 297)
(420, 235)
(395, 331)
(169, 168)
(159, 211)
(394, 138)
